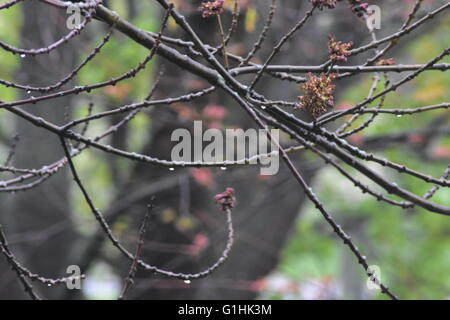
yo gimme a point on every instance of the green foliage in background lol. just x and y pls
(411, 247)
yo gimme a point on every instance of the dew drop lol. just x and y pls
(187, 281)
(171, 169)
(23, 55)
(223, 168)
(29, 91)
(399, 116)
(263, 107)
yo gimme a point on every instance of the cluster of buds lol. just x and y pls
(212, 8)
(226, 199)
(318, 97)
(338, 50)
(359, 8)
(330, 4)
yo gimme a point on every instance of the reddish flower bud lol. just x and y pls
(359, 9)
(212, 8)
(226, 199)
(338, 51)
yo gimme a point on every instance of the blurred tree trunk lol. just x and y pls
(35, 218)
(266, 210)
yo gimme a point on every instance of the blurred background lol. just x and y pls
(284, 249)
